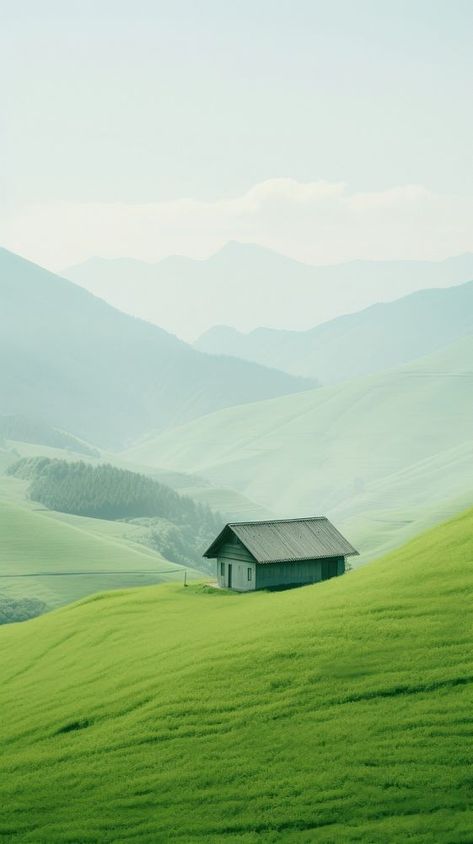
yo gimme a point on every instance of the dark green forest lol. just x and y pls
(175, 525)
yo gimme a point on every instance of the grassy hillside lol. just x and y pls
(79, 365)
(177, 527)
(326, 451)
(391, 510)
(221, 499)
(172, 291)
(381, 337)
(34, 542)
(340, 712)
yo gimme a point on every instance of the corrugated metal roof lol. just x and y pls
(287, 540)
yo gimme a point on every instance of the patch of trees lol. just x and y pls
(21, 609)
(175, 525)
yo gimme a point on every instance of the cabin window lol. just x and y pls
(222, 569)
(250, 574)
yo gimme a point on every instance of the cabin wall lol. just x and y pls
(271, 575)
(243, 568)
(235, 550)
(237, 569)
(243, 574)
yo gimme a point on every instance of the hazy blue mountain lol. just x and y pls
(247, 286)
(27, 430)
(74, 362)
(379, 337)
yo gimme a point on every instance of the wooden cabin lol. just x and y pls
(278, 554)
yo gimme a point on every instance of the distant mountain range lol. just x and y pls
(380, 337)
(247, 286)
(74, 362)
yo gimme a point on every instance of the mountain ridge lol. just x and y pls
(77, 363)
(189, 295)
(381, 336)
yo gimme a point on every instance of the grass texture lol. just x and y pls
(339, 712)
(34, 542)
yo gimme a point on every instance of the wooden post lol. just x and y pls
(185, 577)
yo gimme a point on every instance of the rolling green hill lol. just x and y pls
(34, 542)
(394, 442)
(220, 499)
(77, 364)
(381, 337)
(340, 712)
(178, 527)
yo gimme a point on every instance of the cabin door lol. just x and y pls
(229, 584)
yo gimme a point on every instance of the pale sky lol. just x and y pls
(326, 130)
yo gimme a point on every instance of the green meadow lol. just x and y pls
(38, 541)
(340, 712)
(42, 545)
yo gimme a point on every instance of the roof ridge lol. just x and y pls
(279, 521)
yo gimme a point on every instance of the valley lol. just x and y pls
(386, 455)
(383, 454)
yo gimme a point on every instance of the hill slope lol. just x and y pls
(339, 712)
(78, 364)
(324, 451)
(38, 542)
(23, 429)
(171, 292)
(381, 337)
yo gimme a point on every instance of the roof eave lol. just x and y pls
(312, 557)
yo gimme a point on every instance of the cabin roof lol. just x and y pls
(286, 540)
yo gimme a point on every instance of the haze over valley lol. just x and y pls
(366, 418)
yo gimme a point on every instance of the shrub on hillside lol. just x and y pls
(12, 609)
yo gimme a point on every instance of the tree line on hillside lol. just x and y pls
(175, 525)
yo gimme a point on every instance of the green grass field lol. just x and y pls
(340, 712)
(34, 540)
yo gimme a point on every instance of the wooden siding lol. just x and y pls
(272, 575)
(234, 550)
(269, 575)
